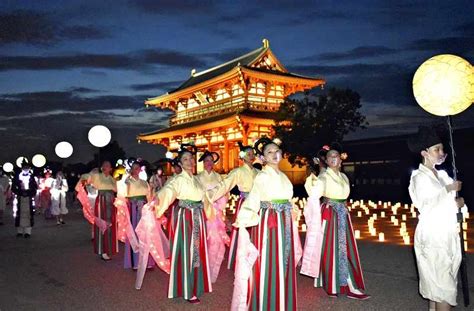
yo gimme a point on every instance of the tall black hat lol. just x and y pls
(215, 156)
(424, 138)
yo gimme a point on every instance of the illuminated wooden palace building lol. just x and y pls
(232, 102)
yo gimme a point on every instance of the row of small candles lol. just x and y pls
(380, 216)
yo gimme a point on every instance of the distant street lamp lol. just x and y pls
(7, 167)
(63, 149)
(38, 160)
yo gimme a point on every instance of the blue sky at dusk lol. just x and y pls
(68, 65)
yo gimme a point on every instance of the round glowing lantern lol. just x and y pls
(7, 167)
(63, 149)
(169, 155)
(99, 136)
(444, 85)
(19, 161)
(38, 160)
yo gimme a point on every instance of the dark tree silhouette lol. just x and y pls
(304, 125)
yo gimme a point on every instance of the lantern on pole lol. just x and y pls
(63, 149)
(19, 161)
(99, 136)
(444, 86)
(7, 167)
(38, 160)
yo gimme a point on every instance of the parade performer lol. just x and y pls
(172, 211)
(157, 180)
(4, 189)
(59, 188)
(138, 194)
(243, 178)
(105, 242)
(437, 242)
(217, 238)
(268, 209)
(24, 186)
(190, 275)
(45, 184)
(338, 271)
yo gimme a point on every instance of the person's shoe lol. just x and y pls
(58, 223)
(105, 257)
(27, 236)
(19, 235)
(62, 222)
(357, 296)
(194, 300)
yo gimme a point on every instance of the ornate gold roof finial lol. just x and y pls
(193, 72)
(266, 43)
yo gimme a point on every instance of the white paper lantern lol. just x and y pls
(7, 167)
(99, 136)
(38, 160)
(19, 161)
(63, 149)
(444, 85)
(169, 155)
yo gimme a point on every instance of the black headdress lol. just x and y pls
(260, 144)
(192, 149)
(424, 138)
(215, 156)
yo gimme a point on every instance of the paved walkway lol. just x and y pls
(56, 270)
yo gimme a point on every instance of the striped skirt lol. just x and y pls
(273, 283)
(189, 260)
(235, 233)
(130, 260)
(104, 208)
(339, 255)
(172, 216)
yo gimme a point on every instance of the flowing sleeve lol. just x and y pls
(225, 186)
(248, 215)
(318, 187)
(166, 196)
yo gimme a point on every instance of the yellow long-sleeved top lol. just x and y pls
(209, 180)
(268, 185)
(182, 187)
(136, 187)
(102, 182)
(242, 177)
(332, 185)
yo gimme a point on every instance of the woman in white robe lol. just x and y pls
(59, 188)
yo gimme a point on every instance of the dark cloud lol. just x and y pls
(466, 29)
(351, 69)
(83, 33)
(454, 45)
(26, 27)
(172, 7)
(139, 60)
(29, 27)
(43, 102)
(82, 90)
(356, 53)
(156, 86)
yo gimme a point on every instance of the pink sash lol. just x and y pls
(88, 211)
(124, 226)
(314, 238)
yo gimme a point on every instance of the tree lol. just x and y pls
(305, 125)
(112, 152)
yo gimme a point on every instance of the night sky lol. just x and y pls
(68, 65)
